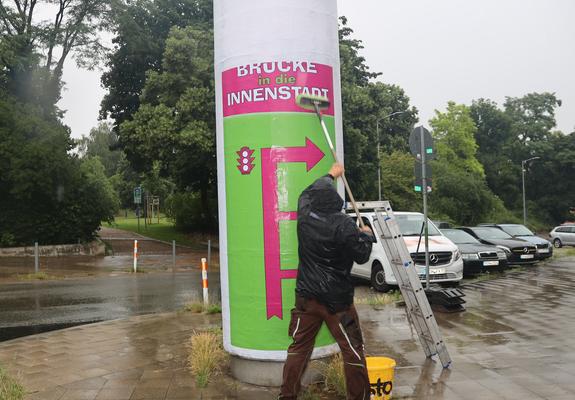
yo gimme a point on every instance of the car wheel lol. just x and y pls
(557, 243)
(378, 278)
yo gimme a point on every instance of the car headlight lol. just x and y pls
(456, 255)
(501, 255)
(470, 256)
(507, 250)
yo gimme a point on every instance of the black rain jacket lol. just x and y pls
(329, 242)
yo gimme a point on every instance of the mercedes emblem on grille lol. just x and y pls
(434, 258)
(525, 250)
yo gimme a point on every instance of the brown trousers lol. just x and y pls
(306, 320)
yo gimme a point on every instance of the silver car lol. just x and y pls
(563, 235)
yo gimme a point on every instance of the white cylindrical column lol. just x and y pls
(269, 150)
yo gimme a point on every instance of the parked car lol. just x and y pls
(563, 235)
(518, 251)
(544, 247)
(446, 265)
(477, 257)
(442, 224)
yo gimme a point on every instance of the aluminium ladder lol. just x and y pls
(417, 305)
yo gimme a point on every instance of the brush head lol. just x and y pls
(309, 102)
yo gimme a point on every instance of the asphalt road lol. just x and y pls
(30, 308)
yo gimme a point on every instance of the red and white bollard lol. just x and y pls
(205, 281)
(135, 256)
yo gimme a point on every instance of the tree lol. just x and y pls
(48, 195)
(141, 28)
(102, 143)
(461, 195)
(550, 181)
(175, 123)
(459, 188)
(454, 132)
(524, 129)
(104, 199)
(496, 142)
(398, 179)
(33, 53)
(532, 116)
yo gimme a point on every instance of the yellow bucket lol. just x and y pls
(380, 371)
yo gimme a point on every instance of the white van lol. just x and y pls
(446, 265)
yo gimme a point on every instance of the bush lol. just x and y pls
(187, 213)
(10, 388)
(334, 375)
(48, 194)
(206, 356)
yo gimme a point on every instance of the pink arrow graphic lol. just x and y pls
(311, 155)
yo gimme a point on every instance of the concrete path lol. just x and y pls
(515, 341)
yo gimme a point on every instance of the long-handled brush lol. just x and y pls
(318, 103)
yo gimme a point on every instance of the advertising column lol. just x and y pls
(269, 150)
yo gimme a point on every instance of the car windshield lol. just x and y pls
(491, 233)
(410, 225)
(459, 237)
(517, 230)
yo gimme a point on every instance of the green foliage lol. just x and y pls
(105, 201)
(48, 196)
(102, 142)
(460, 191)
(522, 130)
(34, 48)
(174, 128)
(397, 181)
(141, 28)
(532, 116)
(495, 141)
(164, 231)
(10, 388)
(186, 211)
(206, 356)
(550, 181)
(197, 307)
(334, 375)
(454, 132)
(461, 195)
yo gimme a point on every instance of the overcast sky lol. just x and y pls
(436, 51)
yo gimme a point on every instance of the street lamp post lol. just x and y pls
(523, 163)
(378, 155)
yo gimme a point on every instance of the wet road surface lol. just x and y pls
(33, 307)
(515, 341)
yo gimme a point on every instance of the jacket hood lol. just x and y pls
(326, 200)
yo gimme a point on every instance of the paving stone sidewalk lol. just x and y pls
(515, 341)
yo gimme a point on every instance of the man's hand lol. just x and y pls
(336, 170)
(366, 229)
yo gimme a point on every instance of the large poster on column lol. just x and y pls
(269, 150)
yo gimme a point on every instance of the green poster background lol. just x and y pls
(249, 326)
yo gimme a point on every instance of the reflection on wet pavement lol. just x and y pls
(32, 307)
(515, 341)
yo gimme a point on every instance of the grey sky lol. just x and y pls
(436, 51)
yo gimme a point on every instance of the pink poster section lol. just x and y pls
(274, 86)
